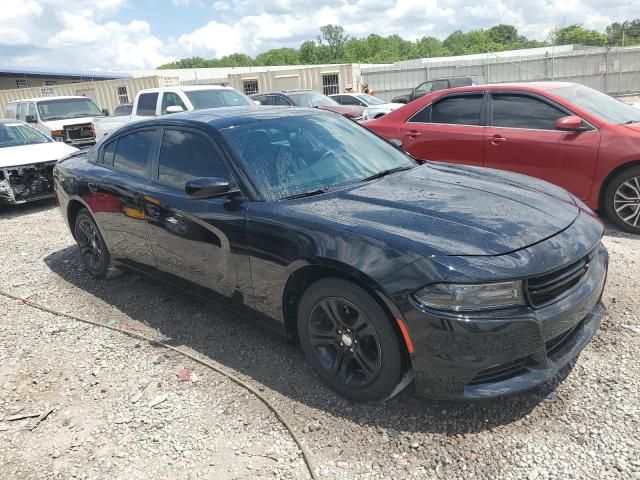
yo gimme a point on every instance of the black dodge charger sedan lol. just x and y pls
(474, 282)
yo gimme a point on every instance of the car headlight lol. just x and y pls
(459, 297)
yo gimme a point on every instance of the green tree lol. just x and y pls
(631, 33)
(279, 56)
(576, 34)
(334, 37)
(308, 52)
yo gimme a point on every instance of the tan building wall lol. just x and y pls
(106, 94)
(323, 79)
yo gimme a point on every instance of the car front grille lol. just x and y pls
(513, 368)
(79, 132)
(551, 287)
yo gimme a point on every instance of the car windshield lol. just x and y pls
(599, 104)
(201, 99)
(312, 99)
(15, 134)
(370, 100)
(68, 108)
(296, 154)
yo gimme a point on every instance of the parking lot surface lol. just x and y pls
(120, 408)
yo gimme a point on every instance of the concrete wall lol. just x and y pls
(103, 93)
(615, 71)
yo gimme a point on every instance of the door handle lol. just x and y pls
(93, 188)
(495, 139)
(413, 134)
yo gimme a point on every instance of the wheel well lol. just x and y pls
(302, 279)
(613, 173)
(72, 212)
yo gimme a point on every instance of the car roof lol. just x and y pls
(187, 88)
(36, 99)
(223, 117)
(524, 86)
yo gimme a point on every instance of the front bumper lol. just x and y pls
(502, 352)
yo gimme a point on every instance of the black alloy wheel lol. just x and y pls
(622, 200)
(95, 254)
(349, 340)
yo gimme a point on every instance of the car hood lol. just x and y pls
(352, 111)
(633, 126)
(60, 124)
(451, 210)
(36, 153)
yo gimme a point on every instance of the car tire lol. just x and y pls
(349, 340)
(94, 252)
(622, 200)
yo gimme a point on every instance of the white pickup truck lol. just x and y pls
(160, 101)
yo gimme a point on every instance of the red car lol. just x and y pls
(567, 134)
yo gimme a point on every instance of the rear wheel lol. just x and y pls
(349, 341)
(95, 254)
(622, 200)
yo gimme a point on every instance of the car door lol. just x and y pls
(450, 129)
(200, 240)
(521, 137)
(115, 197)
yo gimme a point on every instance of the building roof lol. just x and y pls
(46, 99)
(43, 72)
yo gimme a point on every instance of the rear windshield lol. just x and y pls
(201, 99)
(15, 134)
(65, 108)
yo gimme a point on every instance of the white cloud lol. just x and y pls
(102, 34)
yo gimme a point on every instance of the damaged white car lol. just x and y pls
(27, 157)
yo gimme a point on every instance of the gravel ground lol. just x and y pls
(119, 410)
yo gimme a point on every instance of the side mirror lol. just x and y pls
(175, 109)
(31, 119)
(257, 102)
(207, 187)
(396, 141)
(571, 123)
(105, 112)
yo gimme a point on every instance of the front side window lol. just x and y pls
(292, 155)
(147, 104)
(311, 99)
(518, 111)
(132, 153)
(185, 156)
(278, 100)
(201, 99)
(15, 134)
(65, 108)
(31, 110)
(108, 153)
(21, 112)
(458, 110)
(424, 87)
(171, 99)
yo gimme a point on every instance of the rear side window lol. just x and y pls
(132, 153)
(458, 110)
(185, 156)
(107, 154)
(440, 85)
(277, 100)
(518, 111)
(147, 104)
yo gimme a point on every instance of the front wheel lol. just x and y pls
(349, 340)
(95, 254)
(622, 200)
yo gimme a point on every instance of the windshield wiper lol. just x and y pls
(310, 193)
(631, 121)
(384, 173)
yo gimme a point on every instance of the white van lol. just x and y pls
(65, 119)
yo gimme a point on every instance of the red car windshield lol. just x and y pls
(599, 104)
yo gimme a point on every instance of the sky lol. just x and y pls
(142, 34)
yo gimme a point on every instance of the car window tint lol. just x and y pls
(349, 100)
(147, 104)
(171, 99)
(440, 84)
(185, 156)
(278, 100)
(517, 111)
(423, 116)
(132, 153)
(107, 155)
(31, 109)
(462, 110)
